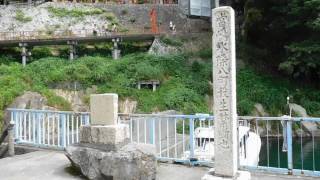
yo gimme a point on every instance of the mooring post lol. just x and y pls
(289, 146)
(11, 138)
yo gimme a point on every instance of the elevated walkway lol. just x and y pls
(40, 38)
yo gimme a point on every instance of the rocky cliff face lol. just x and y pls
(75, 98)
(132, 17)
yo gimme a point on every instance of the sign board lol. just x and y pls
(201, 7)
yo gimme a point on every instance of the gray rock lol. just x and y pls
(160, 48)
(109, 138)
(131, 162)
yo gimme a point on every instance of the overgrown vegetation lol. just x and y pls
(184, 84)
(21, 17)
(283, 35)
(75, 12)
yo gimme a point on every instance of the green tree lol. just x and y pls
(303, 49)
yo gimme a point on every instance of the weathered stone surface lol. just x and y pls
(74, 97)
(105, 135)
(131, 162)
(224, 73)
(160, 48)
(128, 106)
(241, 175)
(104, 109)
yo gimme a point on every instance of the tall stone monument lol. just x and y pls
(224, 82)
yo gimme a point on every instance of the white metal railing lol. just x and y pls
(177, 137)
(45, 128)
(173, 135)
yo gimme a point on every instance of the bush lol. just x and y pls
(111, 18)
(171, 41)
(21, 17)
(76, 12)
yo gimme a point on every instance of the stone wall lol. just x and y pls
(136, 16)
(132, 17)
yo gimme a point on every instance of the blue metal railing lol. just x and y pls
(175, 136)
(291, 159)
(44, 128)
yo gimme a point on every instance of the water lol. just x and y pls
(308, 160)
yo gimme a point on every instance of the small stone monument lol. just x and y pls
(225, 112)
(104, 151)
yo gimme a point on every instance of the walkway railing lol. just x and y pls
(290, 145)
(42, 128)
(66, 34)
(173, 135)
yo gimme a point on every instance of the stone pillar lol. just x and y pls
(24, 53)
(104, 151)
(104, 109)
(139, 85)
(11, 139)
(224, 92)
(72, 49)
(105, 131)
(224, 83)
(116, 53)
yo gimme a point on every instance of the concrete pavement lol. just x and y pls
(53, 165)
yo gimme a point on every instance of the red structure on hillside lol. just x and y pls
(153, 20)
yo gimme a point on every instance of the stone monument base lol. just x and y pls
(105, 135)
(241, 175)
(131, 162)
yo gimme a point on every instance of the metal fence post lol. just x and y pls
(38, 128)
(63, 130)
(15, 119)
(152, 131)
(87, 119)
(191, 143)
(289, 146)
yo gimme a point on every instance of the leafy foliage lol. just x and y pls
(21, 17)
(287, 33)
(75, 12)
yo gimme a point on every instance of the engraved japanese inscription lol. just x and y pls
(222, 75)
(224, 91)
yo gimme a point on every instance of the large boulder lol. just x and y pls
(131, 162)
